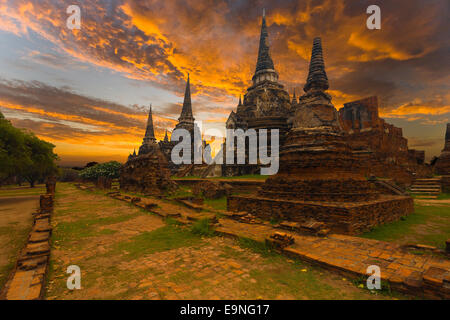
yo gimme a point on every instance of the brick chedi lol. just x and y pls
(319, 178)
(442, 166)
(166, 145)
(148, 171)
(316, 162)
(149, 140)
(186, 121)
(266, 103)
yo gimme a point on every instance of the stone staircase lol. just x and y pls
(426, 188)
(183, 171)
(390, 187)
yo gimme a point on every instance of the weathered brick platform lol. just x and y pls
(340, 217)
(421, 275)
(238, 185)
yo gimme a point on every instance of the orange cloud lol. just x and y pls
(410, 110)
(216, 42)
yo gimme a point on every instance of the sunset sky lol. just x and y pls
(88, 90)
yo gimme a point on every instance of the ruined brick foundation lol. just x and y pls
(349, 218)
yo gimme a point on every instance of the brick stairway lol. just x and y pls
(391, 187)
(426, 188)
(183, 171)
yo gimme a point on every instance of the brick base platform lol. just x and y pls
(340, 217)
(426, 275)
(421, 275)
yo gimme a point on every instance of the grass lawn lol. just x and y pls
(24, 190)
(429, 224)
(181, 192)
(444, 196)
(217, 204)
(126, 253)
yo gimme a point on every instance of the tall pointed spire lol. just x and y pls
(186, 112)
(265, 69)
(264, 60)
(317, 77)
(294, 99)
(447, 132)
(240, 101)
(166, 137)
(149, 142)
(447, 138)
(149, 132)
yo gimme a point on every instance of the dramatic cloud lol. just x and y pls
(62, 116)
(159, 42)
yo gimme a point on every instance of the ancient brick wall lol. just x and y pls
(360, 114)
(347, 218)
(418, 155)
(103, 183)
(148, 173)
(388, 154)
(445, 184)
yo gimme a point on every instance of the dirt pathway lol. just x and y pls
(15, 223)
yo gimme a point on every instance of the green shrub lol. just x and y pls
(202, 227)
(109, 170)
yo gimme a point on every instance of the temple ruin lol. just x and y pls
(266, 104)
(320, 178)
(148, 171)
(380, 146)
(442, 166)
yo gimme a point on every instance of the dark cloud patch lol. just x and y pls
(363, 84)
(49, 59)
(172, 110)
(52, 101)
(62, 114)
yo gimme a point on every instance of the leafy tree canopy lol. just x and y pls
(24, 155)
